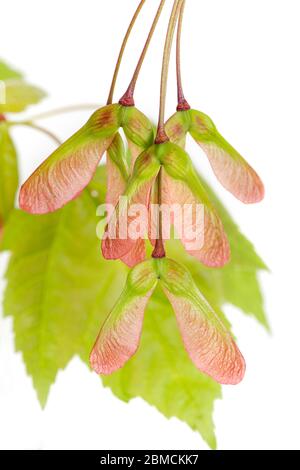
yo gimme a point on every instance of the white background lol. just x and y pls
(241, 66)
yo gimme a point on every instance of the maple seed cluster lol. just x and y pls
(159, 171)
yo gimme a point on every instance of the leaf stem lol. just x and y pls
(121, 53)
(183, 105)
(127, 99)
(63, 110)
(37, 128)
(161, 133)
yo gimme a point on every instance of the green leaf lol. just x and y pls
(60, 291)
(7, 73)
(55, 281)
(8, 174)
(17, 93)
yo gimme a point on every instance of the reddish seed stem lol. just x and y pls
(159, 250)
(128, 97)
(122, 50)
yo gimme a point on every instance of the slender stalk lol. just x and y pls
(63, 110)
(183, 105)
(161, 133)
(37, 128)
(121, 53)
(127, 99)
(159, 249)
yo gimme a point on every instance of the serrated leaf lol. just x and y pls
(8, 174)
(55, 277)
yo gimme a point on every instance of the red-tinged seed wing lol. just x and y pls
(129, 222)
(116, 184)
(233, 172)
(117, 170)
(210, 346)
(207, 341)
(136, 254)
(199, 227)
(117, 176)
(120, 335)
(118, 242)
(69, 169)
(63, 175)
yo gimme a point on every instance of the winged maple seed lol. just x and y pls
(180, 186)
(233, 172)
(206, 339)
(64, 175)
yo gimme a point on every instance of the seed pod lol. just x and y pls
(137, 127)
